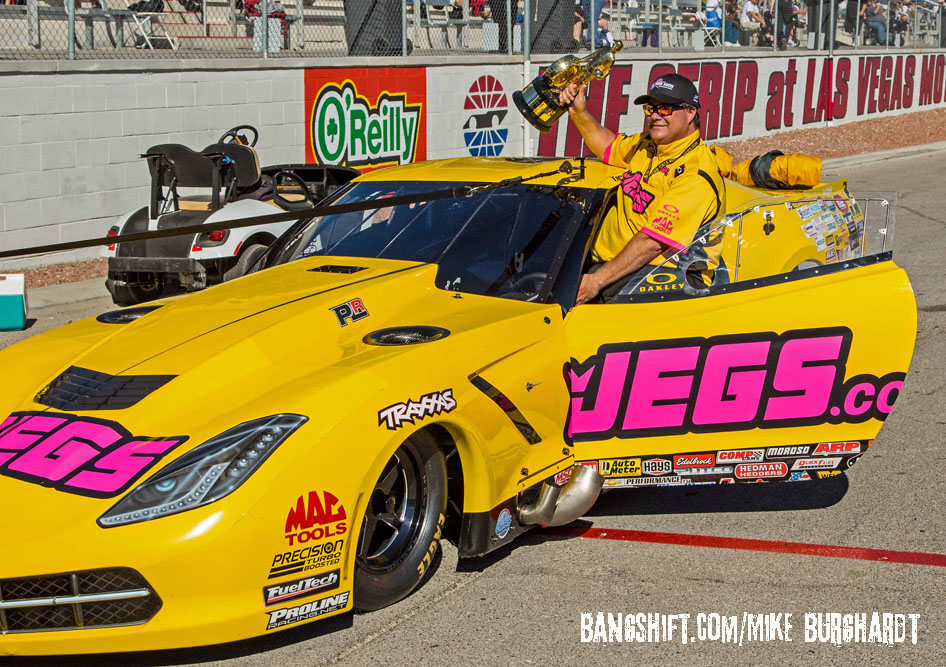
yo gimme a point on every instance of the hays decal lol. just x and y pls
(81, 455)
(366, 117)
(725, 383)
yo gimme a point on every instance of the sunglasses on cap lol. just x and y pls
(662, 109)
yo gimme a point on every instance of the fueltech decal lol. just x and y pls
(724, 383)
(314, 518)
(428, 405)
(281, 617)
(81, 455)
(300, 588)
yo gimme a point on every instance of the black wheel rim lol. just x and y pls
(395, 512)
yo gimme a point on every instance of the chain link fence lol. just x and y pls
(130, 29)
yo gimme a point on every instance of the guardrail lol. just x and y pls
(126, 29)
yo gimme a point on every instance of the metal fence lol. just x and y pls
(126, 29)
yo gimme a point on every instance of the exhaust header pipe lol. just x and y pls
(558, 505)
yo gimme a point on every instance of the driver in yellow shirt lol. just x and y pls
(671, 193)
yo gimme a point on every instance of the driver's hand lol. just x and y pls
(588, 290)
(573, 97)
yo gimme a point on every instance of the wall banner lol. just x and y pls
(366, 117)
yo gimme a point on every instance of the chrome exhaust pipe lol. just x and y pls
(558, 505)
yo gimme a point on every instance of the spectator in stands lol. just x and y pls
(875, 17)
(731, 35)
(497, 10)
(592, 10)
(786, 22)
(819, 14)
(899, 22)
(750, 19)
(942, 23)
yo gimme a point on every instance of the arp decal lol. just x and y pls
(350, 311)
(831, 448)
(315, 518)
(281, 617)
(314, 557)
(725, 383)
(81, 455)
(287, 591)
(428, 405)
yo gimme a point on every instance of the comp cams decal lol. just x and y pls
(283, 617)
(725, 383)
(80, 455)
(287, 591)
(315, 517)
(428, 405)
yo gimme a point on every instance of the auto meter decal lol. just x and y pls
(487, 105)
(725, 383)
(314, 517)
(787, 463)
(81, 455)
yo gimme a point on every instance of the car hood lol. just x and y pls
(264, 344)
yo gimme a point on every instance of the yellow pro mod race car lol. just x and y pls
(409, 366)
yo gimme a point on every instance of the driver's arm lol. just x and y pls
(639, 251)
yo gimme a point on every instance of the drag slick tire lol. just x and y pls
(130, 294)
(401, 530)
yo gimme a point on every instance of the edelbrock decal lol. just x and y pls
(80, 455)
(428, 405)
(725, 383)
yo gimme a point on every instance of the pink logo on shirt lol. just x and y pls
(640, 198)
(81, 455)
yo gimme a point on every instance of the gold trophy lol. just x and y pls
(538, 101)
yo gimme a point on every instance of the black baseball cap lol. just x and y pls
(671, 89)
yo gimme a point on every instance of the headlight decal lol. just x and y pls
(205, 474)
(80, 455)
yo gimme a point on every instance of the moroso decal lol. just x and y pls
(81, 455)
(365, 117)
(787, 452)
(725, 383)
(315, 518)
(428, 405)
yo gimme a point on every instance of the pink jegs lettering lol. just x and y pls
(724, 383)
(81, 455)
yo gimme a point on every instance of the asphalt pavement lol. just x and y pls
(524, 604)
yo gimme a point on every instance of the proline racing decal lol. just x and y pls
(320, 607)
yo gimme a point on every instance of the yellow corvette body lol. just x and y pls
(210, 467)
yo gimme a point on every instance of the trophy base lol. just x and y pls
(538, 106)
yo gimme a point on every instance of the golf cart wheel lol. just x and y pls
(401, 529)
(130, 294)
(247, 259)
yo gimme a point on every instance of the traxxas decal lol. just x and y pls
(428, 405)
(81, 455)
(725, 383)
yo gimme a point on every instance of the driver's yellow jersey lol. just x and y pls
(668, 192)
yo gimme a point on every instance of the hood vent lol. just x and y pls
(337, 268)
(411, 335)
(125, 315)
(81, 389)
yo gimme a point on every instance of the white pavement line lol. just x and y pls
(398, 621)
(878, 156)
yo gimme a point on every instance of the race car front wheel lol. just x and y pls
(401, 530)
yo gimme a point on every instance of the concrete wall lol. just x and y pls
(70, 140)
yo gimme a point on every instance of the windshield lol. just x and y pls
(504, 242)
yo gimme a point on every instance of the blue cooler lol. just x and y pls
(13, 306)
